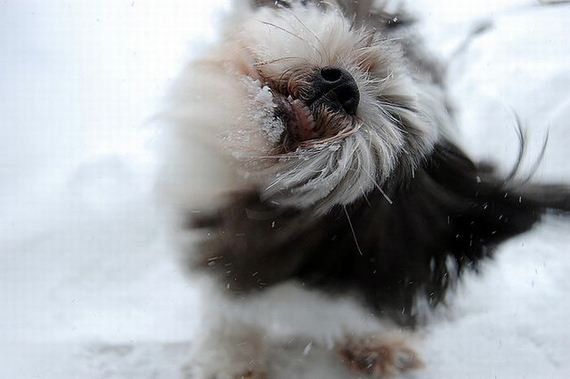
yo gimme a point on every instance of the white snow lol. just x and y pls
(87, 289)
(261, 110)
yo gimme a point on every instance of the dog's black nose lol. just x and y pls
(336, 88)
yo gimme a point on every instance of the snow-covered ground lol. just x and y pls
(86, 288)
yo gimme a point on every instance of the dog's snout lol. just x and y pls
(337, 88)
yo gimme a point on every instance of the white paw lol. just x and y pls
(228, 351)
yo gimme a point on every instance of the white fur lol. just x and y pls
(210, 118)
(220, 132)
(237, 333)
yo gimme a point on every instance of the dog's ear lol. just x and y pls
(375, 13)
(361, 12)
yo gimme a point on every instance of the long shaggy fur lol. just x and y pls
(382, 205)
(396, 125)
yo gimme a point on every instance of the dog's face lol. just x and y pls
(302, 107)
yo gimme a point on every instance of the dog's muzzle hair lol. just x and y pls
(326, 107)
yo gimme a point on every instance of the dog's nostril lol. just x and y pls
(335, 87)
(331, 74)
(348, 97)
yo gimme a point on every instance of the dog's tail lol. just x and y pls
(492, 208)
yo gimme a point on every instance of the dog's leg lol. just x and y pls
(379, 356)
(228, 349)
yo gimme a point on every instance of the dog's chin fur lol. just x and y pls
(381, 206)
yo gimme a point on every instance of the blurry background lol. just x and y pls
(87, 289)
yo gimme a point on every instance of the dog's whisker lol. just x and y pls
(264, 63)
(352, 230)
(282, 29)
(292, 34)
(278, 156)
(534, 168)
(342, 134)
(378, 187)
(320, 52)
(521, 134)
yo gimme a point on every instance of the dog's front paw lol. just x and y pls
(379, 357)
(228, 350)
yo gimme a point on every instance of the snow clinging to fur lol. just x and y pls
(261, 110)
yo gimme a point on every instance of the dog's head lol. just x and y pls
(300, 105)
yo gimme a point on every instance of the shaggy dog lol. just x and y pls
(311, 159)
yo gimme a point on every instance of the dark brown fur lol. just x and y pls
(446, 218)
(451, 211)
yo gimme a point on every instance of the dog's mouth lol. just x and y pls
(313, 124)
(297, 117)
(315, 107)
